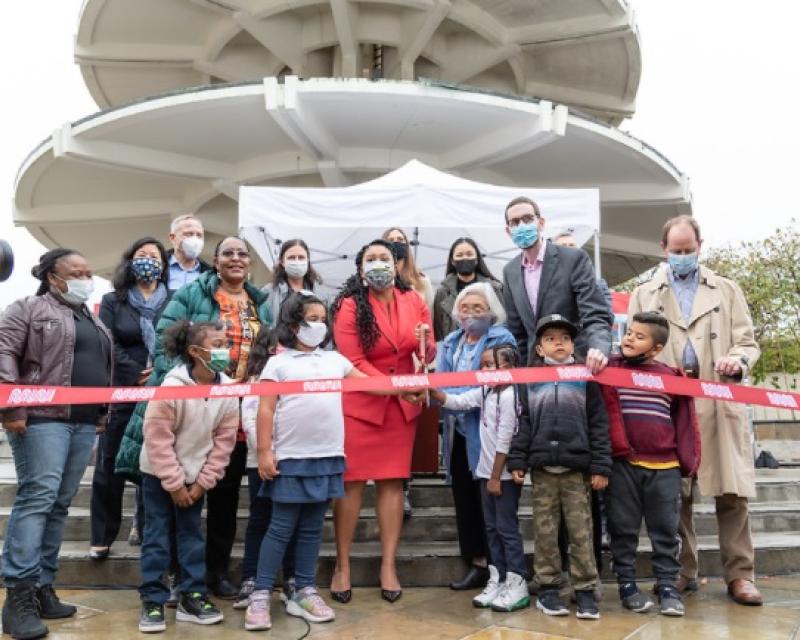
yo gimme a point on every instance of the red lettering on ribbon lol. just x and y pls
(498, 376)
(322, 385)
(573, 373)
(648, 381)
(782, 400)
(717, 390)
(43, 395)
(406, 382)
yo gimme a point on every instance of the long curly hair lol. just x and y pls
(355, 287)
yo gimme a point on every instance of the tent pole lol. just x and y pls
(416, 242)
(597, 270)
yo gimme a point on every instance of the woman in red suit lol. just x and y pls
(379, 322)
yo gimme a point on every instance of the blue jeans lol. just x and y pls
(257, 525)
(155, 560)
(290, 519)
(506, 552)
(50, 458)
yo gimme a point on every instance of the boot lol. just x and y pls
(50, 607)
(21, 613)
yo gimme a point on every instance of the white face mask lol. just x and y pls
(296, 268)
(192, 247)
(312, 334)
(78, 291)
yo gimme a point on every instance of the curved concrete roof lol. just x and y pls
(124, 173)
(583, 53)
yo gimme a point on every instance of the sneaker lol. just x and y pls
(514, 594)
(243, 599)
(307, 603)
(492, 590)
(670, 601)
(633, 598)
(197, 608)
(151, 619)
(587, 605)
(257, 617)
(550, 603)
(174, 594)
(288, 590)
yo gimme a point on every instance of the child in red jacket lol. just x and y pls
(654, 441)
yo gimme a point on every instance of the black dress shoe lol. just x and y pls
(50, 607)
(342, 596)
(391, 595)
(476, 578)
(224, 588)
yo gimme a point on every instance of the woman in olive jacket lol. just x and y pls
(465, 265)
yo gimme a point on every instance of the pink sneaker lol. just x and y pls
(257, 618)
(307, 603)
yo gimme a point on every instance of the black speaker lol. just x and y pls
(6, 260)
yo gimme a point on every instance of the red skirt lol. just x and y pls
(379, 451)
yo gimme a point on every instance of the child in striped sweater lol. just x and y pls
(654, 441)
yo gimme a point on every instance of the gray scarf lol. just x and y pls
(147, 311)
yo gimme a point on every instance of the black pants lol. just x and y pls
(467, 499)
(108, 487)
(598, 518)
(222, 503)
(635, 492)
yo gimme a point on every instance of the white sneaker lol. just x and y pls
(514, 594)
(492, 590)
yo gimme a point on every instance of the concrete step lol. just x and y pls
(772, 486)
(437, 524)
(429, 564)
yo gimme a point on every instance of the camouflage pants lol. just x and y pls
(555, 494)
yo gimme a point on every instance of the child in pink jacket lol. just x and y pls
(187, 445)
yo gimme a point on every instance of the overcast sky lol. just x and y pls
(716, 97)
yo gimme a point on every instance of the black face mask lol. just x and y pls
(465, 267)
(400, 250)
(635, 360)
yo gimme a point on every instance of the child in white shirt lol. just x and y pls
(507, 589)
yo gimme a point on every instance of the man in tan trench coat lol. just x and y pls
(711, 337)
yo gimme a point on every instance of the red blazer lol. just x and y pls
(391, 355)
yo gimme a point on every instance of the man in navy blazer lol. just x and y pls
(545, 279)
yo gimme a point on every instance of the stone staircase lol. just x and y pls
(428, 554)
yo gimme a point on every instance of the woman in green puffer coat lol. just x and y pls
(222, 295)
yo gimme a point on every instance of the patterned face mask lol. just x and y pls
(146, 270)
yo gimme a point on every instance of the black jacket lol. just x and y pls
(130, 352)
(563, 424)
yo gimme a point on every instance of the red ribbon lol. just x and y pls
(26, 396)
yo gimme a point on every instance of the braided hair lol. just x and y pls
(504, 356)
(355, 288)
(47, 265)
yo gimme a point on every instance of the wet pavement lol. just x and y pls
(441, 614)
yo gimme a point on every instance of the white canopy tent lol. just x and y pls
(432, 207)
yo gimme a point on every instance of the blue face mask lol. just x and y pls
(525, 235)
(682, 265)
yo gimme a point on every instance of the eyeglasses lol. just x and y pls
(230, 253)
(526, 219)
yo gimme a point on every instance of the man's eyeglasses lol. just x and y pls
(526, 219)
(231, 253)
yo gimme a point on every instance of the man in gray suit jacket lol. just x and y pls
(545, 279)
